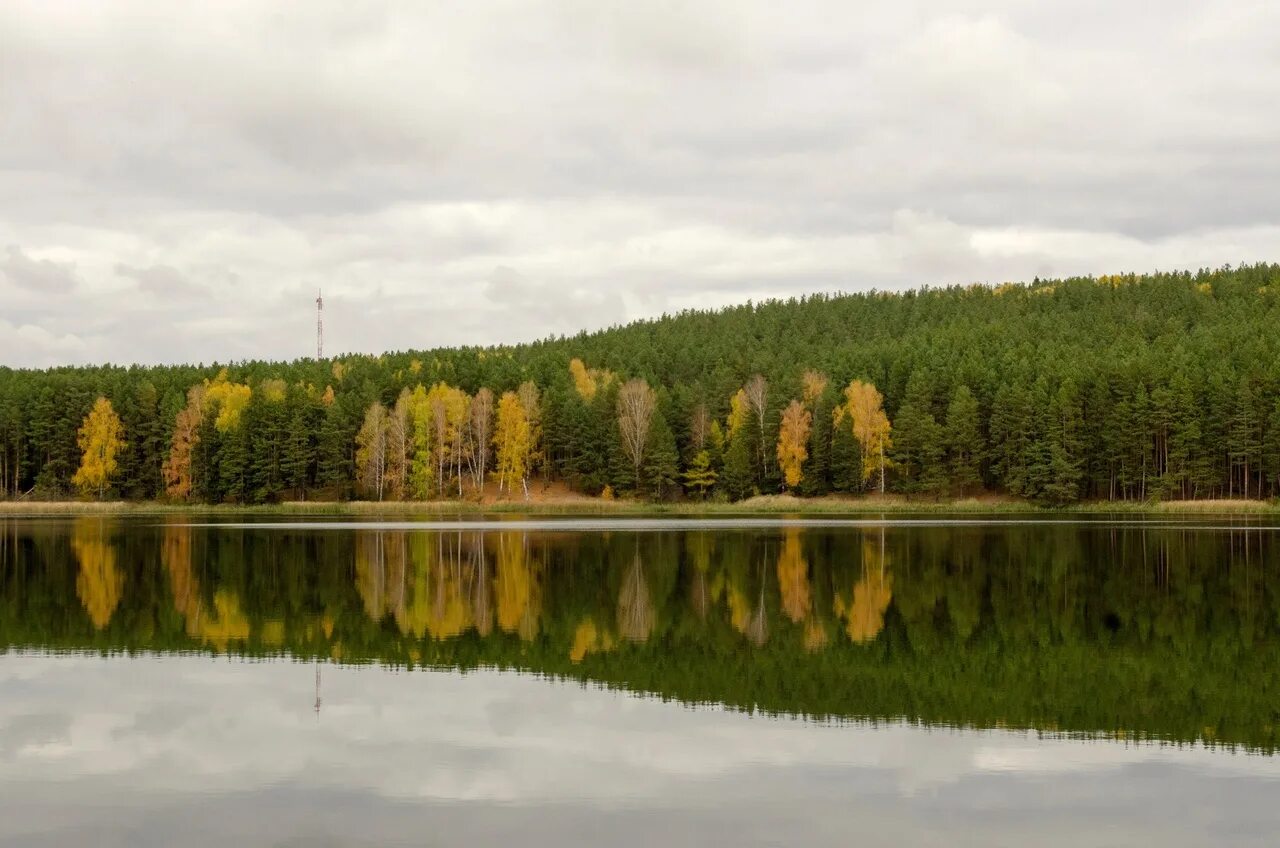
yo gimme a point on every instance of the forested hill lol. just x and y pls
(1161, 385)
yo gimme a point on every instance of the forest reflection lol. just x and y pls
(1153, 633)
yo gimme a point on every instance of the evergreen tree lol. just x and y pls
(737, 480)
(700, 476)
(964, 440)
(661, 465)
(846, 459)
(1064, 443)
(918, 439)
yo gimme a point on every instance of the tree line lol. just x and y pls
(1162, 385)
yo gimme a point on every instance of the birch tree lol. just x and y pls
(636, 402)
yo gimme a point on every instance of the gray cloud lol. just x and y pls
(620, 160)
(162, 280)
(42, 276)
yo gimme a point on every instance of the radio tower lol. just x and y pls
(319, 325)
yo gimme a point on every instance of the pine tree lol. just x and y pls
(964, 440)
(737, 480)
(700, 476)
(817, 475)
(918, 439)
(1064, 447)
(661, 463)
(846, 458)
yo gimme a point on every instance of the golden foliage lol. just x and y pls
(511, 440)
(793, 442)
(186, 435)
(100, 439)
(273, 390)
(589, 381)
(230, 400)
(813, 384)
(864, 405)
(739, 410)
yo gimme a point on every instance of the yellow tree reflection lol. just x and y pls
(99, 584)
(793, 577)
(226, 622)
(450, 612)
(516, 587)
(588, 638)
(864, 612)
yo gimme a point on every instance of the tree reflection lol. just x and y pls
(1145, 631)
(100, 584)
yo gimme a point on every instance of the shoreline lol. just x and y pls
(777, 504)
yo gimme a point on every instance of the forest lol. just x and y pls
(1162, 386)
(1143, 633)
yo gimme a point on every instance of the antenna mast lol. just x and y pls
(319, 325)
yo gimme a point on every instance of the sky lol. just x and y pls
(177, 180)
(231, 752)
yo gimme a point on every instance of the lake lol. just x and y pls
(178, 680)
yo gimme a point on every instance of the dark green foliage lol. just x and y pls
(737, 478)
(1128, 387)
(661, 462)
(964, 441)
(918, 440)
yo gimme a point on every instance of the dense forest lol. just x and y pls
(1159, 386)
(1147, 633)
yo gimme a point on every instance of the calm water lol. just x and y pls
(169, 682)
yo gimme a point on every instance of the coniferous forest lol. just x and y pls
(1134, 387)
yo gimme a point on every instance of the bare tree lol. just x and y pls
(480, 434)
(757, 392)
(371, 449)
(636, 402)
(699, 427)
(398, 437)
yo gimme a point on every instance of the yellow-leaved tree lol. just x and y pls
(227, 401)
(512, 442)
(588, 381)
(864, 406)
(100, 439)
(793, 442)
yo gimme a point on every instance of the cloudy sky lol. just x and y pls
(131, 751)
(176, 183)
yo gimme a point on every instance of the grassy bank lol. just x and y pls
(769, 504)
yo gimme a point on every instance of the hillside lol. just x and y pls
(1161, 385)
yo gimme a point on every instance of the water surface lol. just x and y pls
(169, 681)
